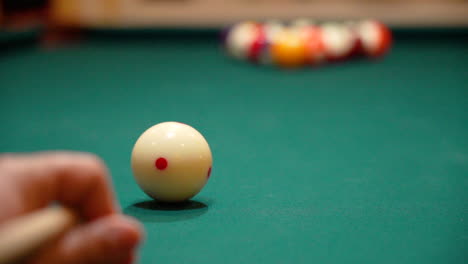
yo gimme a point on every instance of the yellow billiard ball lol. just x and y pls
(289, 49)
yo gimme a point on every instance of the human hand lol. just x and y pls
(29, 182)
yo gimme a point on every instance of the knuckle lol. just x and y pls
(95, 164)
(68, 161)
(94, 161)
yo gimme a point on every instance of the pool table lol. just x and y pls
(364, 161)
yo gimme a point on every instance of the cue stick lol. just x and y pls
(23, 235)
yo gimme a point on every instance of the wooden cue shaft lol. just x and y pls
(23, 235)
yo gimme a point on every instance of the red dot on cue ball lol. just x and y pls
(161, 163)
(209, 173)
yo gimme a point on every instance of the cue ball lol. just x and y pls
(171, 162)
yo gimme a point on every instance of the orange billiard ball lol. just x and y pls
(289, 49)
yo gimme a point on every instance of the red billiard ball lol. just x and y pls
(240, 38)
(315, 47)
(375, 38)
(258, 44)
(270, 29)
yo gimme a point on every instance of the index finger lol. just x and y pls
(76, 180)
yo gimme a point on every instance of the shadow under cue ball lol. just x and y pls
(171, 162)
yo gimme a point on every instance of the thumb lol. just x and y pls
(111, 239)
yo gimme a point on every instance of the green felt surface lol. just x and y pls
(361, 162)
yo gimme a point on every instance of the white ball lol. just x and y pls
(338, 39)
(240, 39)
(371, 35)
(171, 162)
